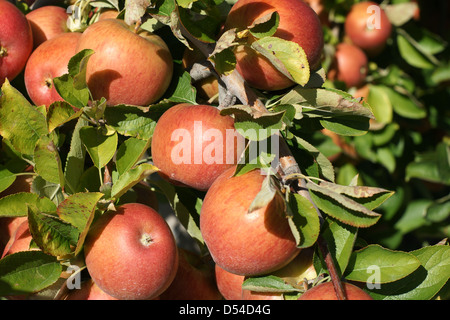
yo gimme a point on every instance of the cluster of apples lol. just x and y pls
(367, 29)
(131, 253)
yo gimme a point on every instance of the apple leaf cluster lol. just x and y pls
(87, 156)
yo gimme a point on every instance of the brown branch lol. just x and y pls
(238, 87)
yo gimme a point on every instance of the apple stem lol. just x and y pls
(3, 52)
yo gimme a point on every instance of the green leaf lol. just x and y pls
(65, 86)
(78, 210)
(100, 146)
(304, 220)
(52, 236)
(254, 125)
(77, 68)
(129, 152)
(265, 195)
(47, 161)
(28, 272)
(60, 112)
(342, 207)
(130, 178)
(381, 104)
(75, 158)
(16, 205)
(266, 26)
(184, 91)
(340, 239)
(199, 25)
(134, 122)
(377, 265)
(404, 105)
(425, 282)
(286, 56)
(20, 122)
(411, 54)
(267, 284)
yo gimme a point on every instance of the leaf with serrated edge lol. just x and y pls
(130, 178)
(16, 205)
(343, 208)
(47, 161)
(20, 122)
(28, 272)
(77, 68)
(60, 112)
(53, 236)
(354, 191)
(264, 196)
(304, 220)
(286, 56)
(390, 265)
(268, 284)
(265, 26)
(101, 147)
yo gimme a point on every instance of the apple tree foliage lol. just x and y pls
(382, 201)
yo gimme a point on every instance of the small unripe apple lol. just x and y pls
(368, 27)
(325, 291)
(16, 41)
(131, 253)
(243, 242)
(193, 144)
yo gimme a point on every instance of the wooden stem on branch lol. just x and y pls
(237, 87)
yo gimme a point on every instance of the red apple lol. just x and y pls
(241, 242)
(325, 291)
(8, 226)
(298, 23)
(47, 22)
(16, 41)
(350, 65)
(88, 291)
(193, 144)
(47, 62)
(229, 284)
(368, 27)
(19, 241)
(194, 280)
(131, 253)
(127, 67)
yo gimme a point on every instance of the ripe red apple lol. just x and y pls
(194, 280)
(88, 291)
(350, 65)
(298, 23)
(47, 62)
(325, 291)
(127, 67)
(241, 242)
(367, 28)
(229, 284)
(193, 144)
(16, 41)
(19, 241)
(131, 253)
(8, 226)
(47, 22)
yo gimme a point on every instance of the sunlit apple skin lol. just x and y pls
(19, 241)
(194, 280)
(229, 284)
(325, 291)
(350, 65)
(47, 22)
(16, 41)
(47, 62)
(181, 124)
(131, 253)
(240, 242)
(88, 291)
(127, 67)
(373, 40)
(307, 32)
